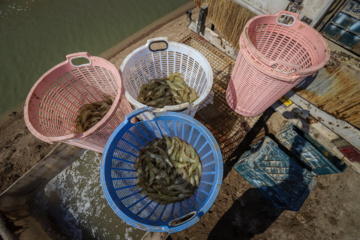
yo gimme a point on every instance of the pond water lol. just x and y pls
(35, 35)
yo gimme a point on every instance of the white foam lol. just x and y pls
(83, 203)
(127, 231)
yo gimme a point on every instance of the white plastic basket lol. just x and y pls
(146, 63)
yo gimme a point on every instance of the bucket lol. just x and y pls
(118, 176)
(147, 63)
(276, 53)
(54, 101)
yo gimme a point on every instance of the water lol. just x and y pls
(35, 35)
(73, 202)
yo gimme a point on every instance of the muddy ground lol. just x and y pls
(19, 149)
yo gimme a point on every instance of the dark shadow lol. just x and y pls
(251, 214)
(58, 221)
(256, 209)
(306, 82)
(259, 126)
(248, 139)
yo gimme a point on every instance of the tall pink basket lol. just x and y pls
(276, 53)
(54, 101)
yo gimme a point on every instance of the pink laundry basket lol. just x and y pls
(54, 101)
(274, 57)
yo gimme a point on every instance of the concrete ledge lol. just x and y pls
(141, 34)
(56, 161)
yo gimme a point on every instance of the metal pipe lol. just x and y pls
(316, 21)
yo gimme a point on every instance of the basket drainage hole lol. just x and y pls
(80, 61)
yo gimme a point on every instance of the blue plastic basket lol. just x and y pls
(118, 176)
(281, 180)
(312, 156)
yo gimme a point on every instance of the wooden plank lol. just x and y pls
(336, 87)
(340, 127)
(216, 40)
(318, 131)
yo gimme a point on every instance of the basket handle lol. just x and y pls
(183, 219)
(284, 14)
(175, 107)
(71, 57)
(136, 112)
(157, 40)
(296, 67)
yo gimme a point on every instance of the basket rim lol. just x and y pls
(177, 107)
(245, 43)
(207, 203)
(73, 136)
